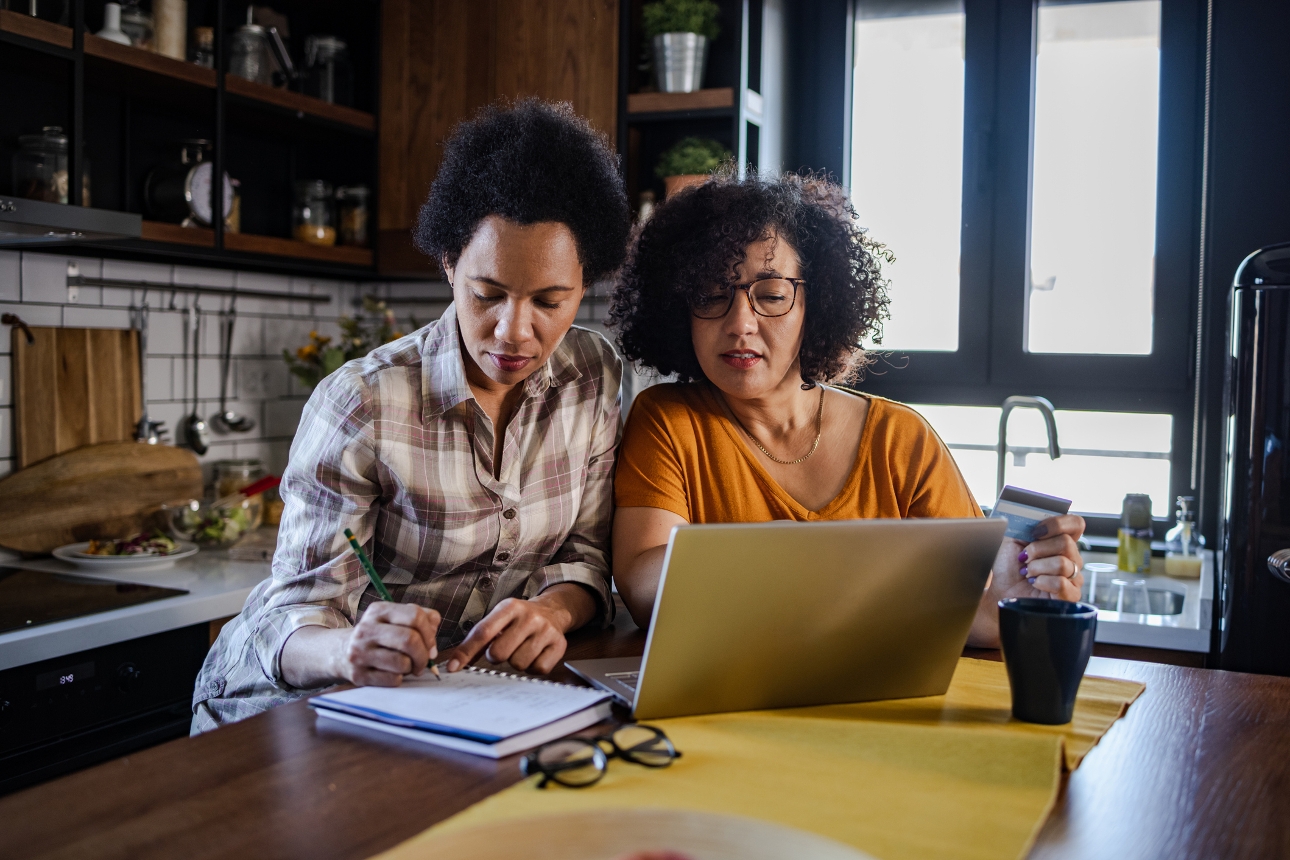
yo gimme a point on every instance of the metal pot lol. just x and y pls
(679, 60)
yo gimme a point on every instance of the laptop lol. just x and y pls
(751, 616)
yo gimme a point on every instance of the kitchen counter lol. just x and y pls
(1189, 630)
(216, 586)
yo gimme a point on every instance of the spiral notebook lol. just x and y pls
(476, 710)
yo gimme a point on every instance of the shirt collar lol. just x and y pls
(443, 369)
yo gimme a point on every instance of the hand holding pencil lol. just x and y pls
(396, 637)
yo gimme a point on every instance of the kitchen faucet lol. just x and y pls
(1050, 422)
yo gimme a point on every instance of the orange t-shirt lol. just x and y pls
(681, 453)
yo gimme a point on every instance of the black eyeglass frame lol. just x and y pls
(747, 288)
(532, 763)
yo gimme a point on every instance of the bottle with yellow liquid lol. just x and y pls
(1134, 554)
(1183, 543)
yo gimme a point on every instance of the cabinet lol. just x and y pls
(441, 60)
(126, 110)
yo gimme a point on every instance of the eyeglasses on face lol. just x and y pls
(580, 762)
(768, 297)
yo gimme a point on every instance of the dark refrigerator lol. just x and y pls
(1253, 605)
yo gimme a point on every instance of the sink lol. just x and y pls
(1137, 600)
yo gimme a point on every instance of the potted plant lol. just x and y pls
(359, 336)
(689, 162)
(680, 31)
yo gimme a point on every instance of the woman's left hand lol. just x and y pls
(1049, 566)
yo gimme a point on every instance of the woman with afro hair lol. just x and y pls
(756, 294)
(473, 458)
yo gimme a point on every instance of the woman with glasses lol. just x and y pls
(755, 294)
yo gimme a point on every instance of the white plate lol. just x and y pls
(73, 553)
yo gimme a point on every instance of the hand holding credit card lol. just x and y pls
(1025, 509)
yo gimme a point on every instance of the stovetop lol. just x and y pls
(29, 597)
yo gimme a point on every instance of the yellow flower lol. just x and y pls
(308, 352)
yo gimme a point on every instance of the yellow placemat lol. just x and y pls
(942, 777)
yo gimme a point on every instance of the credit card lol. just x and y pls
(1025, 509)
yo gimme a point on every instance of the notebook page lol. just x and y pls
(476, 703)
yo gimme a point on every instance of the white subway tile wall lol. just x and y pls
(34, 286)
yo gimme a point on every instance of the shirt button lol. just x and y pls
(466, 625)
(509, 513)
(486, 584)
(503, 556)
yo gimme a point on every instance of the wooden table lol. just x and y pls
(1199, 768)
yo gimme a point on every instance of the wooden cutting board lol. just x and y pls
(100, 491)
(73, 387)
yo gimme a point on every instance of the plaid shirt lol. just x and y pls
(395, 447)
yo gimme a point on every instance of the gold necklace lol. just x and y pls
(819, 431)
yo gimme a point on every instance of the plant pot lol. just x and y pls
(673, 184)
(679, 60)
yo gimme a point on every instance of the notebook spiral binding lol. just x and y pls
(479, 670)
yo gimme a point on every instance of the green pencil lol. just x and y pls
(378, 585)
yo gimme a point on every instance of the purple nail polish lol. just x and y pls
(1025, 572)
(1023, 557)
(1031, 580)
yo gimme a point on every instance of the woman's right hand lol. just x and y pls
(390, 640)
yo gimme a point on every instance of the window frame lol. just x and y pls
(991, 362)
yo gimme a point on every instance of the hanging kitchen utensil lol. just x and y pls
(196, 434)
(226, 420)
(146, 430)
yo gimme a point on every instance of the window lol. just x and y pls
(907, 162)
(1105, 455)
(1040, 191)
(1093, 206)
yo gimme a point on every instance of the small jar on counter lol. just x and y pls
(313, 218)
(352, 201)
(233, 475)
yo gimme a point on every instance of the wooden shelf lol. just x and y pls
(299, 103)
(721, 97)
(147, 61)
(274, 246)
(159, 231)
(35, 28)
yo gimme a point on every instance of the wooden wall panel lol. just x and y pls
(444, 59)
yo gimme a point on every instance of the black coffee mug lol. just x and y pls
(1046, 644)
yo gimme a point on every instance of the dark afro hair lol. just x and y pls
(698, 238)
(529, 161)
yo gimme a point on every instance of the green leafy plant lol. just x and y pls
(680, 16)
(690, 156)
(359, 335)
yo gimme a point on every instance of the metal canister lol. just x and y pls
(1134, 555)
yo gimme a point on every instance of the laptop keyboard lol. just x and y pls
(628, 679)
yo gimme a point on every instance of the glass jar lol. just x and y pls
(328, 73)
(233, 475)
(313, 218)
(137, 24)
(204, 46)
(40, 167)
(352, 200)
